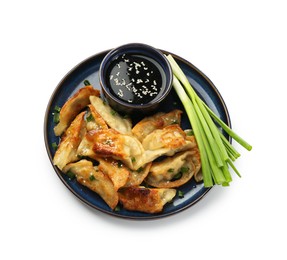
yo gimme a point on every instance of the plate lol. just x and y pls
(88, 70)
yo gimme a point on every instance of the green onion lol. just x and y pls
(57, 109)
(113, 113)
(71, 175)
(139, 170)
(216, 153)
(92, 178)
(117, 208)
(87, 83)
(89, 118)
(56, 117)
(177, 176)
(56, 114)
(180, 194)
(54, 146)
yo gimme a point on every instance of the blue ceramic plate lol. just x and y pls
(89, 70)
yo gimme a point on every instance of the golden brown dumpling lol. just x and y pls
(157, 121)
(172, 137)
(73, 106)
(95, 180)
(67, 150)
(110, 143)
(116, 171)
(167, 141)
(112, 118)
(173, 171)
(94, 120)
(149, 200)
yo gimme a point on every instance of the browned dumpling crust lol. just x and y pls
(67, 149)
(94, 179)
(73, 106)
(110, 143)
(113, 119)
(173, 171)
(157, 121)
(95, 121)
(116, 171)
(143, 199)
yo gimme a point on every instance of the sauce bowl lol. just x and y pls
(135, 78)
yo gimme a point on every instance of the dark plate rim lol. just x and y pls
(113, 213)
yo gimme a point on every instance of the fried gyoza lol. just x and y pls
(110, 143)
(112, 118)
(149, 200)
(116, 171)
(94, 120)
(167, 141)
(95, 180)
(157, 121)
(67, 150)
(173, 171)
(73, 106)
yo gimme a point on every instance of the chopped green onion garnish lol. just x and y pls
(56, 117)
(57, 108)
(92, 178)
(87, 83)
(140, 169)
(180, 194)
(184, 169)
(177, 176)
(90, 118)
(117, 208)
(54, 146)
(71, 175)
(113, 112)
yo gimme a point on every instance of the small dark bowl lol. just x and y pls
(144, 51)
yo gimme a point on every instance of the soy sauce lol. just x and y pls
(135, 79)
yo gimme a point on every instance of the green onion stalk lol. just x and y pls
(216, 152)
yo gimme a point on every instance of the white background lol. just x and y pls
(239, 45)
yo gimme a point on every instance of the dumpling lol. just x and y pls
(116, 171)
(112, 118)
(167, 141)
(73, 106)
(173, 171)
(94, 120)
(67, 150)
(157, 121)
(95, 180)
(110, 143)
(172, 137)
(148, 200)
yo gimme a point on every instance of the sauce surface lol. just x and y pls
(135, 79)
